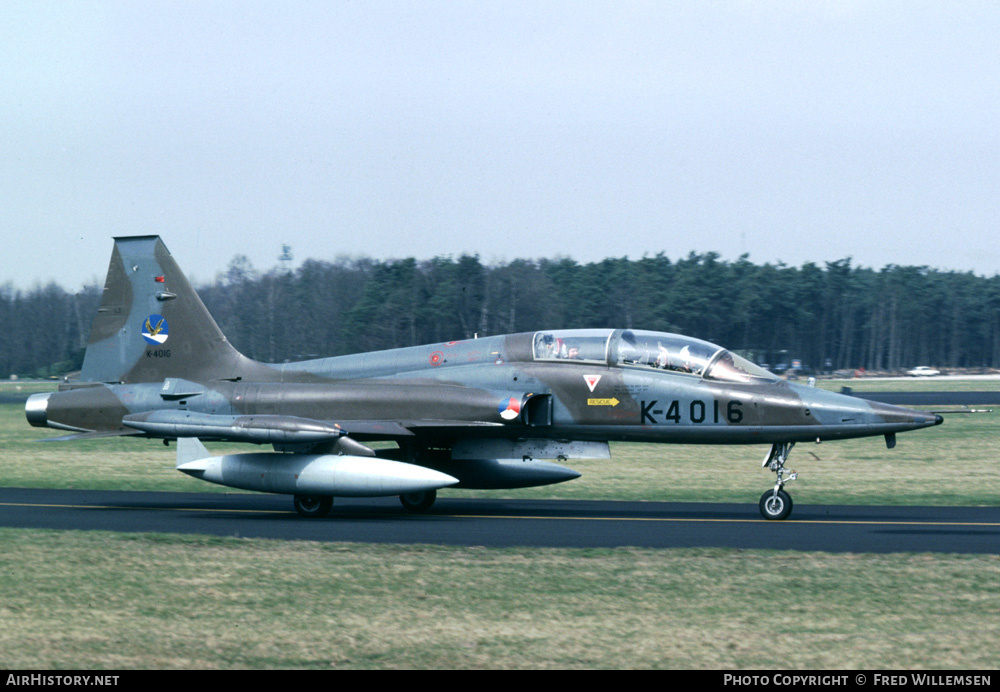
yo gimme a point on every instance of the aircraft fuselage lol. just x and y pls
(480, 413)
(490, 382)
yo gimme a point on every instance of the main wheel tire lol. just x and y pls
(775, 506)
(313, 506)
(418, 502)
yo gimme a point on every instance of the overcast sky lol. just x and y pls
(792, 131)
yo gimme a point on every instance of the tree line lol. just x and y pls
(838, 314)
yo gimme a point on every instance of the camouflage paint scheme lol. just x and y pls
(158, 365)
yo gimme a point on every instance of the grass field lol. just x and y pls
(100, 600)
(95, 600)
(926, 384)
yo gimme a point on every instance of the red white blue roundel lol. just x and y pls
(509, 409)
(154, 329)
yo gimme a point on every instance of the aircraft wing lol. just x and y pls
(380, 429)
(448, 424)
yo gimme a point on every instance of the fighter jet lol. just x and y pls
(475, 413)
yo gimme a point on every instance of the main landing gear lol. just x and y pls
(418, 502)
(318, 506)
(776, 503)
(313, 506)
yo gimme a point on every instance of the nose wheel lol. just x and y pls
(776, 503)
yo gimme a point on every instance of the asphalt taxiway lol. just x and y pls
(503, 523)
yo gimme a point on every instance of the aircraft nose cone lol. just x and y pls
(926, 418)
(911, 418)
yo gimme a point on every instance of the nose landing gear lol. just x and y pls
(776, 503)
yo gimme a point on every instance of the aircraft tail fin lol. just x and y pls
(152, 325)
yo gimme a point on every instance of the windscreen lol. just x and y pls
(729, 367)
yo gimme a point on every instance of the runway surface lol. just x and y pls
(503, 523)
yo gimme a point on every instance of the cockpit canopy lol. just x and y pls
(642, 349)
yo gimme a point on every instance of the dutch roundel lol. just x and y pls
(509, 409)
